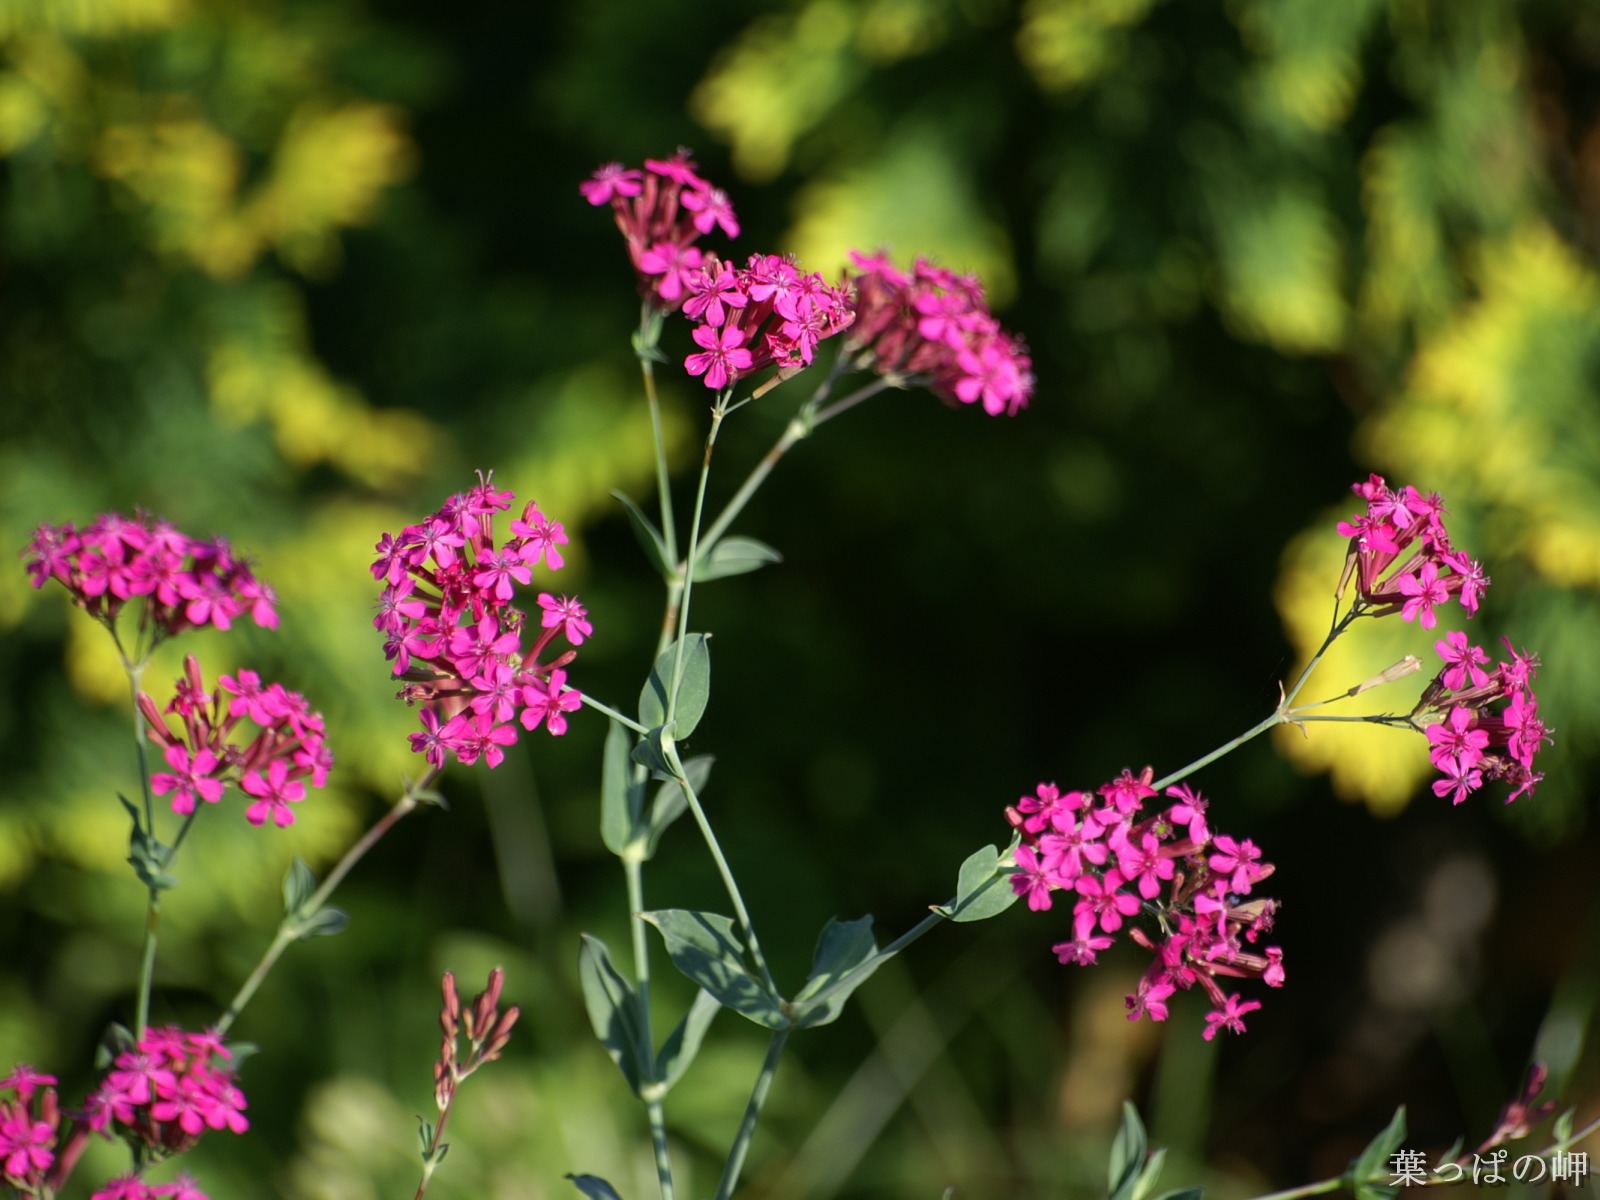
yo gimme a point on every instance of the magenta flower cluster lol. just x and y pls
(765, 313)
(1491, 729)
(1401, 557)
(455, 637)
(934, 328)
(184, 582)
(661, 211)
(1120, 866)
(166, 1090)
(30, 1120)
(289, 746)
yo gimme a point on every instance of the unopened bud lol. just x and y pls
(450, 1015)
(1409, 665)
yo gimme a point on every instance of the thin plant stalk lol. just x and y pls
(752, 1115)
(290, 928)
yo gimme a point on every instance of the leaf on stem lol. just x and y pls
(671, 802)
(298, 884)
(1128, 1152)
(325, 922)
(734, 556)
(983, 888)
(694, 686)
(707, 948)
(650, 539)
(621, 800)
(651, 752)
(1374, 1161)
(594, 1187)
(613, 1009)
(683, 1043)
(148, 857)
(845, 958)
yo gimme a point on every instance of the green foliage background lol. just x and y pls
(289, 270)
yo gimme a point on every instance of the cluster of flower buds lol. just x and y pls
(933, 328)
(1400, 555)
(1120, 865)
(167, 1089)
(485, 1028)
(661, 211)
(288, 748)
(1488, 726)
(185, 583)
(765, 313)
(455, 637)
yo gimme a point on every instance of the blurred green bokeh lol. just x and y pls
(289, 270)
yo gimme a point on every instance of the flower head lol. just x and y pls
(457, 639)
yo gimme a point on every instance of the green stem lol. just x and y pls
(730, 885)
(290, 928)
(1279, 715)
(718, 411)
(752, 1114)
(591, 702)
(654, 1111)
(669, 534)
(806, 419)
(152, 919)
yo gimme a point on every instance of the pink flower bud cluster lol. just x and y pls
(934, 328)
(185, 583)
(167, 1090)
(765, 313)
(1401, 557)
(213, 749)
(484, 1027)
(455, 637)
(1189, 885)
(1490, 727)
(661, 210)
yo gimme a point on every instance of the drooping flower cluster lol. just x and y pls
(185, 582)
(1488, 725)
(167, 1089)
(933, 328)
(1168, 869)
(1400, 554)
(455, 637)
(661, 211)
(215, 747)
(765, 313)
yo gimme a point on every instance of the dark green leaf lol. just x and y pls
(613, 1009)
(670, 802)
(620, 798)
(1127, 1155)
(1150, 1173)
(694, 686)
(1373, 1164)
(594, 1187)
(147, 856)
(706, 948)
(846, 957)
(678, 1051)
(734, 556)
(650, 539)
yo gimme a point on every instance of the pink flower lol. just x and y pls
(1080, 950)
(274, 794)
(610, 181)
(1462, 660)
(1229, 1016)
(547, 701)
(190, 778)
(566, 614)
(1031, 880)
(1423, 590)
(723, 357)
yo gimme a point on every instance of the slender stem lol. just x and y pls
(800, 426)
(152, 918)
(291, 927)
(434, 1158)
(647, 320)
(654, 1110)
(718, 411)
(730, 885)
(752, 1114)
(609, 711)
(1279, 715)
